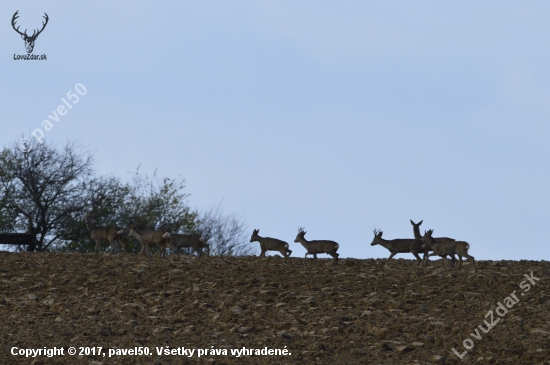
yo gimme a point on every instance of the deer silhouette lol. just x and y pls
(29, 40)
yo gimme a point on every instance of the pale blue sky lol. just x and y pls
(336, 117)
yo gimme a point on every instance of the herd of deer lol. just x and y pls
(440, 246)
(146, 237)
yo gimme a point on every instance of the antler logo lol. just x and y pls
(29, 40)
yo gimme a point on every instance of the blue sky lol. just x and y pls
(340, 117)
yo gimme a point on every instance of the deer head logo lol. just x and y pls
(29, 40)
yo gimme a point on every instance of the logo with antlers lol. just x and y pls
(29, 40)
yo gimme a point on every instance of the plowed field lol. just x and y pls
(355, 312)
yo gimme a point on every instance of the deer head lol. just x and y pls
(377, 237)
(29, 40)
(89, 218)
(300, 235)
(254, 236)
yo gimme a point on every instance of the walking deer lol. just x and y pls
(270, 244)
(427, 247)
(149, 237)
(319, 246)
(399, 245)
(448, 248)
(113, 234)
(194, 241)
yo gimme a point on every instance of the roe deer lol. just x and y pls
(270, 244)
(319, 246)
(194, 241)
(448, 248)
(427, 247)
(113, 234)
(399, 245)
(147, 237)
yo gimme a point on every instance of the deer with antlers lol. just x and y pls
(315, 247)
(399, 245)
(29, 40)
(113, 234)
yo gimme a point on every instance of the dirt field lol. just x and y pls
(357, 312)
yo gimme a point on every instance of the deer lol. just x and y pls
(315, 247)
(113, 234)
(450, 248)
(427, 248)
(270, 244)
(147, 237)
(194, 241)
(399, 245)
(29, 40)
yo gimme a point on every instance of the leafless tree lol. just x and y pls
(225, 233)
(47, 191)
(42, 189)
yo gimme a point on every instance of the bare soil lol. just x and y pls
(355, 312)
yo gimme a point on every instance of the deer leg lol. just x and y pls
(122, 244)
(113, 244)
(162, 252)
(473, 260)
(261, 255)
(430, 254)
(454, 259)
(460, 262)
(426, 256)
(417, 257)
(389, 258)
(445, 262)
(142, 248)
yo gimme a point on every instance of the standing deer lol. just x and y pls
(149, 237)
(427, 247)
(315, 247)
(399, 245)
(270, 244)
(448, 248)
(112, 234)
(194, 241)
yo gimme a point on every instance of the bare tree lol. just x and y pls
(47, 191)
(42, 189)
(152, 202)
(225, 233)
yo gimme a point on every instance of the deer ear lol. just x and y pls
(412, 222)
(419, 223)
